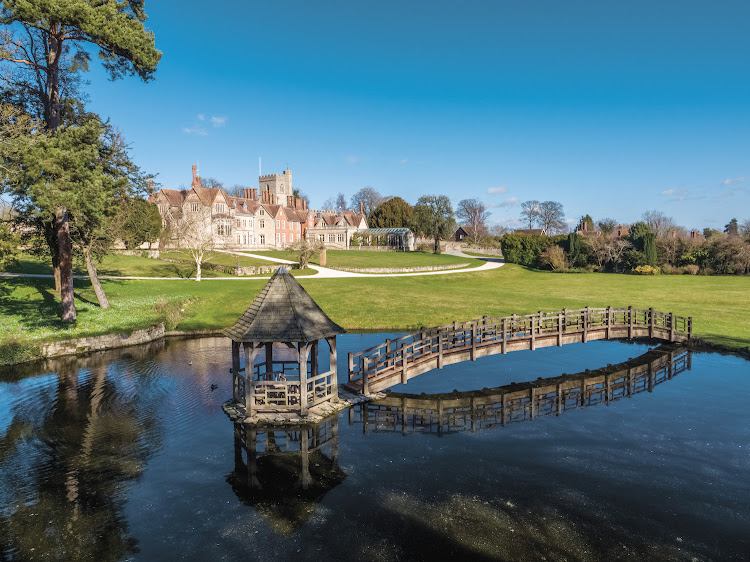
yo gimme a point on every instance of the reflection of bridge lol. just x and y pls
(469, 411)
(283, 472)
(398, 360)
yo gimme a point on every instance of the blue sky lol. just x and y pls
(610, 107)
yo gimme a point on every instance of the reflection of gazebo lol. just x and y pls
(285, 323)
(287, 471)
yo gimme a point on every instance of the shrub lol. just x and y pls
(424, 247)
(692, 269)
(646, 270)
(525, 249)
(554, 258)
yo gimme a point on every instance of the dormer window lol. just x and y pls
(220, 207)
(262, 212)
(194, 207)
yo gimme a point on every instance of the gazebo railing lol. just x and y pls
(281, 394)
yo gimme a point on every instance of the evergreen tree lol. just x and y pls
(52, 40)
(394, 213)
(649, 249)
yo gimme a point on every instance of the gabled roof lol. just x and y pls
(174, 196)
(283, 312)
(292, 215)
(207, 195)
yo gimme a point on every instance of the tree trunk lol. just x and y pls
(65, 253)
(198, 270)
(91, 268)
(53, 79)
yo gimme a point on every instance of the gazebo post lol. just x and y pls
(235, 370)
(314, 360)
(269, 358)
(303, 349)
(334, 370)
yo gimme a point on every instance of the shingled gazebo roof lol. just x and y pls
(283, 312)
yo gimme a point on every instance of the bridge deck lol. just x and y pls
(395, 362)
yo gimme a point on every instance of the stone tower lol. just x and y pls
(278, 185)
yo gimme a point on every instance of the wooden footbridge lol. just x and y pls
(517, 402)
(396, 361)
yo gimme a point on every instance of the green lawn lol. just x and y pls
(116, 265)
(719, 305)
(358, 258)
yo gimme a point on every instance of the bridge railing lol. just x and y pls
(412, 349)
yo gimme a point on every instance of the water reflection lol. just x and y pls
(69, 451)
(472, 411)
(285, 473)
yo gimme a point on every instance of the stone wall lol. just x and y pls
(401, 269)
(101, 343)
(261, 269)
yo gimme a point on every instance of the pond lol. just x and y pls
(128, 455)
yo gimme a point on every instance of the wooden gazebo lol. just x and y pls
(281, 329)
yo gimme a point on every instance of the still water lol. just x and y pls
(129, 455)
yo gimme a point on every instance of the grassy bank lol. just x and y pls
(28, 307)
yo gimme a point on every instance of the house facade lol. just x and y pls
(269, 217)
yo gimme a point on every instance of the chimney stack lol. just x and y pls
(361, 210)
(304, 205)
(195, 172)
(150, 185)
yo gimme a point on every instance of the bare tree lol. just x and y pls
(551, 216)
(659, 223)
(474, 215)
(198, 237)
(607, 249)
(341, 202)
(307, 249)
(499, 230)
(745, 228)
(369, 197)
(607, 226)
(530, 212)
(212, 182)
(236, 190)
(337, 204)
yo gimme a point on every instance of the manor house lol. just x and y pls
(267, 218)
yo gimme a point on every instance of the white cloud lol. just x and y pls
(404, 161)
(730, 181)
(676, 194)
(352, 159)
(510, 202)
(196, 131)
(201, 117)
(218, 121)
(501, 189)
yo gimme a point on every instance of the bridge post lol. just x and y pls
(473, 342)
(609, 322)
(513, 328)
(403, 363)
(583, 392)
(671, 326)
(559, 396)
(541, 322)
(607, 389)
(650, 376)
(585, 318)
(651, 322)
(559, 329)
(388, 350)
(630, 322)
(351, 367)
(504, 418)
(690, 328)
(532, 405)
(403, 416)
(365, 375)
(505, 338)
(533, 333)
(565, 319)
(440, 349)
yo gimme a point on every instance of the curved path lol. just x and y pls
(322, 272)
